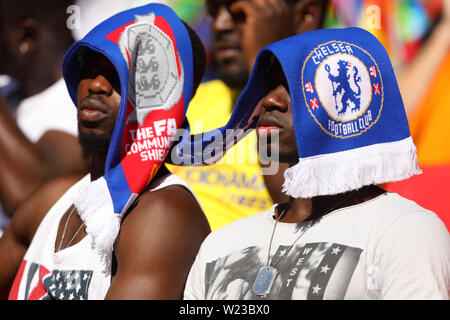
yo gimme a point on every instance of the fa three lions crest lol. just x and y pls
(154, 83)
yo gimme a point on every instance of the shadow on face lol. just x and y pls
(276, 117)
(98, 97)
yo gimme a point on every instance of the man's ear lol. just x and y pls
(26, 36)
(309, 15)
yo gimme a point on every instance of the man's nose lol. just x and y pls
(99, 85)
(276, 99)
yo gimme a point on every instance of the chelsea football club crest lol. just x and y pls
(343, 89)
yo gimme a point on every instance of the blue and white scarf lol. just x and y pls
(350, 124)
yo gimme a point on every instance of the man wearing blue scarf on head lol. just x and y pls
(129, 229)
(329, 103)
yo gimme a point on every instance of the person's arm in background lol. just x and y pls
(262, 23)
(24, 166)
(27, 218)
(413, 79)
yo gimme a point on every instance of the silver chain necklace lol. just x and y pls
(65, 229)
(267, 274)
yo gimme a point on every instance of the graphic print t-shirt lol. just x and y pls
(386, 248)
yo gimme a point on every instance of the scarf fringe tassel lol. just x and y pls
(352, 169)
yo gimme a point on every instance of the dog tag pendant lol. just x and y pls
(264, 281)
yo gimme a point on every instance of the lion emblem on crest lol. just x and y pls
(342, 88)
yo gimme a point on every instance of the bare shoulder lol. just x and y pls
(173, 207)
(157, 245)
(30, 213)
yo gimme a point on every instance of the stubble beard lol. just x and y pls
(93, 143)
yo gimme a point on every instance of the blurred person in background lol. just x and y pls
(35, 146)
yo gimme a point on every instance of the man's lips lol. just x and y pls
(92, 110)
(266, 129)
(267, 124)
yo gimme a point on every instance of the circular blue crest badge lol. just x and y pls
(343, 89)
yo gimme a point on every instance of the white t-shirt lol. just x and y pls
(74, 273)
(52, 109)
(385, 248)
